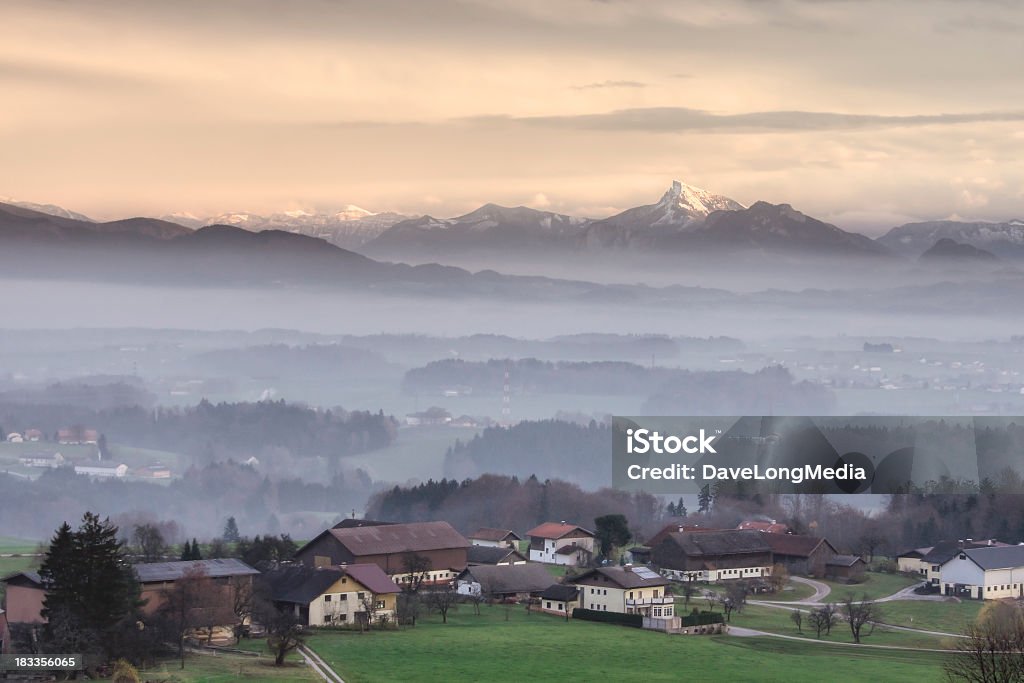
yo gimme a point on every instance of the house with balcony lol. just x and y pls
(354, 594)
(561, 543)
(627, 590)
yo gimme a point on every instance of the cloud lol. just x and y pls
(66, 75)
(610, 84)
(682, 119)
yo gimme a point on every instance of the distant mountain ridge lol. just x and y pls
(490, 226)
(1004, 239)
(947, 251)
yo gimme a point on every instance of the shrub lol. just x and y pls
(634, 620)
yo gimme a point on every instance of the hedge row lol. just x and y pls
(703, 619)
(634, 620)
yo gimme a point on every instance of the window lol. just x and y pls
(360, 596)
(630, 595)
(342, 617)
(547, 605)
(657, 611)
(327, 598)
(379, 604)
(344, 597)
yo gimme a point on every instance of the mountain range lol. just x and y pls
(686, 220)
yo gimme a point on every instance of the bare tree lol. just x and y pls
(285, 632)
(992, 650)
(148, 542)
(417, 568)
(193, 602)
(242, 593)
(737, 592)
(823, 619)
(779, 577)
(368, 614)
(859, 614)
(442, 599)
(797, 618)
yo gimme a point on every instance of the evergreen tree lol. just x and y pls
(231, 534)
(704, 499)
(681, 508)
(91, 589)
(196, 554)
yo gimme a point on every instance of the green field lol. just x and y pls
(543, 648)
(947, 617)
(875, 585)
(791, 591)
(779, 620)
(209, 668)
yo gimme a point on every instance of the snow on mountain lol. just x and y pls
(50, 209)
(1002, 239)
(489, 227)
(681, 207)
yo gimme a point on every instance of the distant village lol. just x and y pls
(39, 452)
(356, 573)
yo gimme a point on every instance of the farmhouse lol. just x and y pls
(486, 536)
(228, 575)
(350, 594)
(943, 551)
(561, 543)
(503, 582)
(912, 561)
(103, 469)
(801, 554)
(985, 573)
(25, 592)
(24, 598)
(560, 599)
(482, 554)
(714, 555)
(848, 568)
(76, 435)
(5, 634)
(427, 552)
(628, 590)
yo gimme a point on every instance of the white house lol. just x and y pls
(100, 469)
(987, 573)
(628, 590)
(561, 543)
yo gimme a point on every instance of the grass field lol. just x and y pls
(948, 617)
(875, 585)
(776, 620)
(543, 648)
(215, 668)
(791, 591)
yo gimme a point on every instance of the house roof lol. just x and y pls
(572, 550)
(351, 523)
(508, 578)
(943, 551)
(713, 543)
(23, 578)
(556, 530)
(373, 577)
(561, 592)
(795, 545)
(844, 561)
(486, 554)
(171, 571)
(302, 585)
(915, 552)
(766, 527)
(997, 557)
(389, 539)
(626, 577)
(673, 529)
(487, 533)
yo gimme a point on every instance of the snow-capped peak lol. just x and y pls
(297, 213)
(351, 212)
(696, 202)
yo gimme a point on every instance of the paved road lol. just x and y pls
(752, 633)
(322, 668)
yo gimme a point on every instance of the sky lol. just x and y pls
(867, 114)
